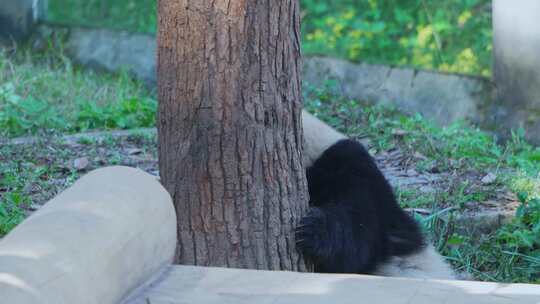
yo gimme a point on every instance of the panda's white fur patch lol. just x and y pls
(426, 264)
(318, 137)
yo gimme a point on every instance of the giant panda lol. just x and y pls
(354, 224)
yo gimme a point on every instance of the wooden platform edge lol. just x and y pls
(190, 284)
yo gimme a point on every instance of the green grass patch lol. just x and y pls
(12, 200)
(511, 254)
(14, 179)
(453, 36)
(32, 174)
(457, 146)
(45, 92)
(131, 15)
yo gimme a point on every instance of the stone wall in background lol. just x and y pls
(441, 97)
(444, 98)
(113, 51)
(517, 66)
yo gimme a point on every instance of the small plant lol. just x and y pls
(453, 147)
(12, 200)
(11, 212)
(127, 114)
(21, 116)
(511, 254)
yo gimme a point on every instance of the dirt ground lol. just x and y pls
(47, 165)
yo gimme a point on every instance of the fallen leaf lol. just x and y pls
(81, 163)
(489, 179)
(418, 210)
(34, 207)
(419, 155)
(490, 203)
(134, 151)
(399, 132)
(411, 172)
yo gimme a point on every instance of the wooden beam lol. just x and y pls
(94, 243)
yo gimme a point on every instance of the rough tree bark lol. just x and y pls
(230, 133)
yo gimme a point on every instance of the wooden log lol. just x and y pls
(94, 243)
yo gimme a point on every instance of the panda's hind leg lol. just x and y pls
(328, 237)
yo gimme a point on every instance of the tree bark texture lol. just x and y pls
(230, 133)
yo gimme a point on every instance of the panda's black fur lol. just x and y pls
(355, 223)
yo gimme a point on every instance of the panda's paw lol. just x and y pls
(312, 235)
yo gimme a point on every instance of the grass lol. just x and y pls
(21, 173)
(511, 254)
(132, 15)
(32, 174)
(12, 202)
(453, 36)
(457, 146)
(44, 94)
(40, 93)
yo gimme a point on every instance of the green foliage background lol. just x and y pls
(452, 36)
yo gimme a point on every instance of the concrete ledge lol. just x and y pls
(109, 233)
(186, 284)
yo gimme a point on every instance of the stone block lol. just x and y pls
(17, 19)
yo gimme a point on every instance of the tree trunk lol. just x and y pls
(230, 133)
